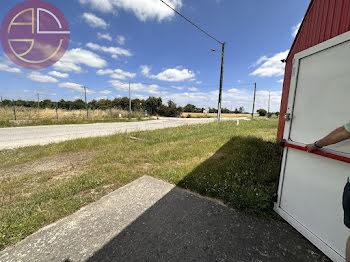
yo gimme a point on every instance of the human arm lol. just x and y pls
(338, 135)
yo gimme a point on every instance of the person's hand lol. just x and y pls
(311, 148)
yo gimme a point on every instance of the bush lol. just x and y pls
(262, 112)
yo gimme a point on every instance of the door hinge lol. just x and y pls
(287, 117)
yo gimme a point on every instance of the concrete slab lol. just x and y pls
(151, 220)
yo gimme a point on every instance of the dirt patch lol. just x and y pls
(65, 163)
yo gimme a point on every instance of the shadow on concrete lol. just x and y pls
(183, 226)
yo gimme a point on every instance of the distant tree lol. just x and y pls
(136, 104)
(277, 113)
(236, 111)
(153, 105)
(92, 104)
(241, 110)
(213, 110)
(189, 108)
(225, 111)
(78, 104)
(262, 112)
(6, 103)
(47, 104)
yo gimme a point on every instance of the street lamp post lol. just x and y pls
(221, 80)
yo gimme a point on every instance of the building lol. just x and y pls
(315, 100)
(324, 20)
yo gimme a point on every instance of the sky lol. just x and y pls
(114, 42)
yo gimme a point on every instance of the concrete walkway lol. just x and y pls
(151, 220)
(16, 137)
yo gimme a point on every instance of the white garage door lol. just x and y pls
(311, 185)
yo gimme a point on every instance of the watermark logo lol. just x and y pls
(35, 34)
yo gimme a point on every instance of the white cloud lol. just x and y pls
(280, 81)
(193, 89)
(136, 87)
(120, 39)
(143, 9)
(105, 36)
(94, 21)
(74, 86)
(38, 77)
(105, 92)
(7, 68)
(117, 74)
(105, 72)
(178, 87)
(114, 51)
(199, 82)
(72, 60)
(177, 74)
(295, 29)
(270, 66)
(58, 74)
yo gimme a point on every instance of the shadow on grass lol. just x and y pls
(243, 173)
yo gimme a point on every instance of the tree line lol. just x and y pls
(153, 105)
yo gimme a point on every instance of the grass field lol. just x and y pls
(36, 117)
(236, 164)
(212, 115)
(23, 113)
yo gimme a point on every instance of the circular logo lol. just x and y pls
(35, 34)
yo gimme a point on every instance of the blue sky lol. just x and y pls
(142, 41)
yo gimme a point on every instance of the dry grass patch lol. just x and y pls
(59, 164)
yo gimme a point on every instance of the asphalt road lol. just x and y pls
(16, 137)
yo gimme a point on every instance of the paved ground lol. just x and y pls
(41, 135)
(151, 220)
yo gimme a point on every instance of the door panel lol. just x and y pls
(312, 194)
(322, 98)
(311, 186)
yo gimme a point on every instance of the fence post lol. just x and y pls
(57, 111)
(14, 109)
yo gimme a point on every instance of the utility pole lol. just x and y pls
(221, 81)
(268, 113)
(56, 110)
(38, 100)
(14, 110)
(222, 58)
(254, 100)
(86, 105)
(129, 99)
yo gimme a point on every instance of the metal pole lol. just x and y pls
(268, 113)
(129, 99)
(86, 106)
(57, 111)
(38, 101)
(221, 81)
(14, 110)
(254, 101)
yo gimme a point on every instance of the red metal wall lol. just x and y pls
(324, 20)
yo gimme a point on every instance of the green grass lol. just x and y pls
(46, 122)
(236, 164)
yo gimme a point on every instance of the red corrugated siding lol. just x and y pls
(324, 20)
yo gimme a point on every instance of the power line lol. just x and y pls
(188, 20)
